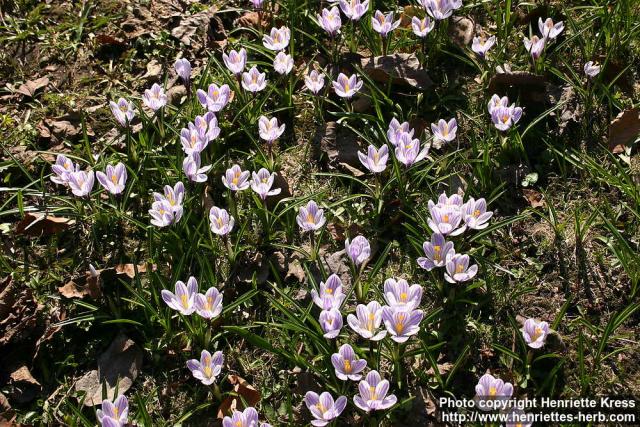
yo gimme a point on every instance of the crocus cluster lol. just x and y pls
(167, 208)
(186, 299)
(67, 173)
(197, 135)
(502, 114)
(114, 414)
(549, 31)
(408, 150)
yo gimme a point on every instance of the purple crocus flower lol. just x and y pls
(496, 102)
(331, 322)
(475, 215)
(269, 129)
(535, 333)
(215, 98)
(367, 320)
(454, 202)
(446, 221)
(354, 9)
(323, 408)
(591, 69)
(408, 150)
(314, 81)
(278, 39)
(283, 63)
(436, 252)
(458, 269)
(164, 214)
(246, 418)
(235, 61)
(505, 117)
(422, 27)
(254, 81)
(330, 21)
(401, 324)
(491, 388)
(184, 300)
(221, 222)
(81, 182)
(235, 179)
(534, 46)
(113, 178)
(481, 47)
(376, 159)
(114, 414)
(172, 195)
(209, 305)
(207, 368)
(207, 126)
(358, 249)
(310, 217)
(445, 131)
(346, 87)
(192, 140)
(154, 98)
(384, 24)
(62, 168)
(192, 169)
(346, 365)
(257, 4)
(330, 295)
(123, 111)
(262, 182)
(183, 68)
(373, 393)
(439, 9)
(396, 130)
(548, 29)
(400, 296)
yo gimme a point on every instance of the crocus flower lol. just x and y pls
(154, 98)
(535, 333)
(123, 111)
(367, 320)
(207, 126)
(491, 388)
(458, 269)
(192, 169)
(221, 222)
(314, 81)
(184, 300)
(235, 179)
(330, 21)
(496, 102)
(192, 140)
(331, 322)
(257, 4)
(278, 39)
(215, 98)
(164, 214)
(439, 9)
(354, 9)
(376, 159)
(358, 249)
(400, 296)
(505, 117)
(396, 130)
(172, 195)
(408, 150)
(209, 305)
(534, 46)
(330, 295)
(283, 63)
(81, 182)
(436, 252)
(446, 221)
(254, 81)
(323, 408)
(591, 69)
(346, 365)
(548, 29)
(422, 27)
(183, 68)
(207, 368)
(235, 61)
(114, 413)
(481, 47)
(113, 179)
(269, 129)
(475, 215)
(454, 201)
(246, 418)
(62, 168)
(401, 324)
(262, 182)
(310, 217)
(384, 24)
(445, 131)
(373, 393)
(346, 87)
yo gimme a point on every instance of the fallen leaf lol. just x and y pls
(129, 270)
(200, 29)
(91, 287)
(443, 368)
(401, 68)
(154, 70)
(243, 392)
(26, 387)
(528, 87)
(295, 271)
(107, 40)
(251, 20)
(32, 86)
(461, 30)
(624, 130)
(36, 224)
(338, 146)
(535, 198)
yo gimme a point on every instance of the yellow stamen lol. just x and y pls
(347, 366)
(185, 301)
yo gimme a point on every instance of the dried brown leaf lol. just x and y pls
(624, 130)
(401, 68)
(242, 392)
(36, 224)
(32, 86)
